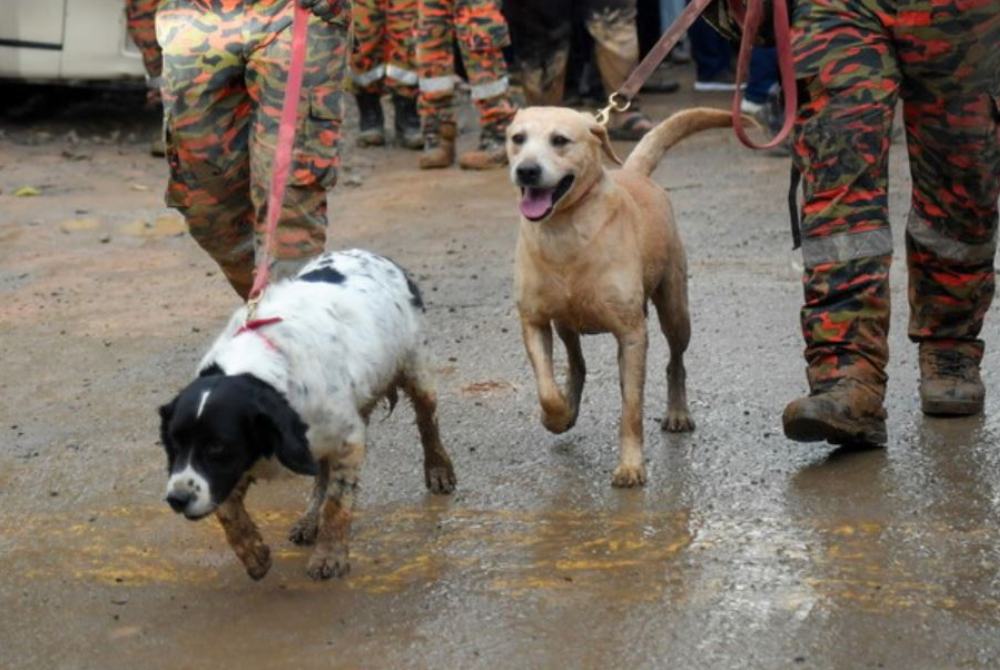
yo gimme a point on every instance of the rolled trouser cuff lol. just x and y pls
(844, 247)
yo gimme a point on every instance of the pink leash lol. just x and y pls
(282, 156)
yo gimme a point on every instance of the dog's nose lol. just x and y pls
(178, 500)
(528, 175)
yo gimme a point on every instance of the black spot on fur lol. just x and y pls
(326, 275)
(416, 299)
(211, 371)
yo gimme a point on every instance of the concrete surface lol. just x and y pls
(743, 551)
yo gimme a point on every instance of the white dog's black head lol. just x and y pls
(217, 428)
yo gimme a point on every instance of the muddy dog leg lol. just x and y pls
(439, 475)
(556, 412)
(577, 374)
(631, 470)
(305, 529)
(670, 299)
(330, 557)
(242, 532)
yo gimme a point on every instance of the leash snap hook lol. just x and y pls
(617, 103)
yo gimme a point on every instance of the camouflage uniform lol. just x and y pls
(385, 47)
(855, 59)
(141, 15)
(225, 66)
(482, 34)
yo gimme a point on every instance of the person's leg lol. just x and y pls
(712, 56)
(541, 34)
(436, 67)
(763, 75)
(141, 17)
(301, 233)
(401, 70)
(952, 114)
(482, 35)
(368, 68)
(207, 115)
(841, 147)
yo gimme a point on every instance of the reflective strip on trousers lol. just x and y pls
(489, 90)
(437, 84)
(402, 75)
(947, 247)
(846, 246)
(369, 77)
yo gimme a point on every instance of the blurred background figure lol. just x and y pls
(385, 59)
(543, 35)
(141, 15)
(713, 58)
(482, 34)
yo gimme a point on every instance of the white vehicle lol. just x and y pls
(66, 41)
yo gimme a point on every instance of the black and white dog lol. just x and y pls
(295, 388)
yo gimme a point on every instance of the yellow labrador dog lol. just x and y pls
(594, 247)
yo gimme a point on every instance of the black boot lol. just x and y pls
(408, 133)
(372, 120)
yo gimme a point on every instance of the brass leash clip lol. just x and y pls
(615, 106)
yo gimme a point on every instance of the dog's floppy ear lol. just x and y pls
(166, 414)
(601, 133)
(281, 432)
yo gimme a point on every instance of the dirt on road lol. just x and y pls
(743, 551)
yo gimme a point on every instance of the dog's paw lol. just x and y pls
(305, 530)
(258, 561)
(440, 479)
(678, 422)
(628, 476)
(327, 565)
(558, 419)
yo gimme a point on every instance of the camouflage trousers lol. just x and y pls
(141, 16)
(543, 32)
(385, 47)
(855, 59)
(482, 34)
(225, 67)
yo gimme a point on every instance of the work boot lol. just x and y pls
(372, 132)
(847, 411)
(439, 147)
(490, 154)
(408, 133)
(950, 384)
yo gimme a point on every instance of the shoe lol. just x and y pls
(372, 133)
(439, 147)
(847, 412)
(950, 384)
(490, 154)
(631, 126)
(158, 148)
(724, 81)
(407, 123)
(751, 108)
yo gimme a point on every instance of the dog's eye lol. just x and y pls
(559, 140)
(518, 138)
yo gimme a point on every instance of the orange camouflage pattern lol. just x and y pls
(481, 32)
(385, 47)
(855, 59)
(225, 65)
(141, 24)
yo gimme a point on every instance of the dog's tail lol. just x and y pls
(651, 148)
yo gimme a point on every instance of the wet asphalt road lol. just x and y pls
(744, 550)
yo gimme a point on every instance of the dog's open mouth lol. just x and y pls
(537, 203)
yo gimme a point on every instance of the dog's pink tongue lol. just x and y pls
(536, 202)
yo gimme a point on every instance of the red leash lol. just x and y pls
(749, 13)
(282, 156)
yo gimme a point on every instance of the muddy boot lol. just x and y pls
(408, 133)
(847, 411)
(439, 148)
(950, 384)
(490, 154)
(372, 133)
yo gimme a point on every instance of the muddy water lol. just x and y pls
(743, 551)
